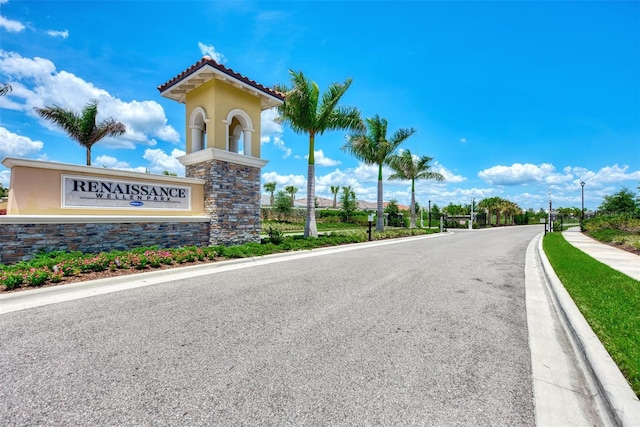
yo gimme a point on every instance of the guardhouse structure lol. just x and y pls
(223, 144)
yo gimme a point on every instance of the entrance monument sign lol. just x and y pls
(56, 206)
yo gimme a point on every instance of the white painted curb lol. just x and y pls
(621, 401)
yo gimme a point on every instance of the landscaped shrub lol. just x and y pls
(11, 280)
(275, 236)
(36, 276)
(627, 223)
(53, 267)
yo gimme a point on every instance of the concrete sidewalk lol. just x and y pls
(620, 260)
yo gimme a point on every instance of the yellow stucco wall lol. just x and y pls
(218, 98)
(204, 97)
(37, 190)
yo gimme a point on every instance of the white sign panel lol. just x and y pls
(93, 192)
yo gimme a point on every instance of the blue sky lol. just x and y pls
(511, 99)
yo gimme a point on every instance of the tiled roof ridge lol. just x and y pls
(206, 60)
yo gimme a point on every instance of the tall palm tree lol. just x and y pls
(83, 127)
(291, 190)
(410, 167)
(308, 112)
(335, 189)
(374, 148)
(271, 188)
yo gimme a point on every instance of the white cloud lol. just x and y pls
(522, 174)
(161, 161)
(113, 163)
(284, 180)
(337, 178)
(269, 125)
(11, 25)
(449, 176)
(5, 177)
(463, 140)
(14, 145)
(321, 160)
(607, 174)
(369, 173)
(516, 174)
(271, 131)
(36, 83)
(209, 50)
(64, 34)
(278, 143)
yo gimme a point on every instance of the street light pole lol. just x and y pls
(429, 213)
(582, 210)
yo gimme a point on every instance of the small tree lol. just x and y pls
(292, 190)
(348, 203)
(335, 189)
(393, 211)
(282, 205)
(435, 211)
(4, 192)
(622, 202)
(270, 187)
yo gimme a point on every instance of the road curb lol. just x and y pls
(618, 398)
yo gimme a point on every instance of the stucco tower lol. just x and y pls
(223, 144)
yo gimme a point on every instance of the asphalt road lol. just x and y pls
(424, 332)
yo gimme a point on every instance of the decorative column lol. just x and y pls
(231, 193)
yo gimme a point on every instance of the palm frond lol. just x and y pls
(82, 128)
(330, 99)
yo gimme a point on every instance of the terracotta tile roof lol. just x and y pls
(228, 71)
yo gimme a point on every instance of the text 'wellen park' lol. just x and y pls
(121, 191)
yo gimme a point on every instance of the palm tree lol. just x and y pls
(83, 128)
(374, 148)
(306, 111)
(348, 202)
(335, 189)
(410, 167)
(490, 205)
(271, 188)
(5, 88)
(511, 209)
(291, 190)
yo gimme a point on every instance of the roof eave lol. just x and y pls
(177, 88)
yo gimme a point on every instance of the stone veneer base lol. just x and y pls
(231, 200)
(20, 242)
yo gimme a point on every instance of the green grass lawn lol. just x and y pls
(608, 299)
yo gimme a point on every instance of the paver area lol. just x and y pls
(423, 332)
